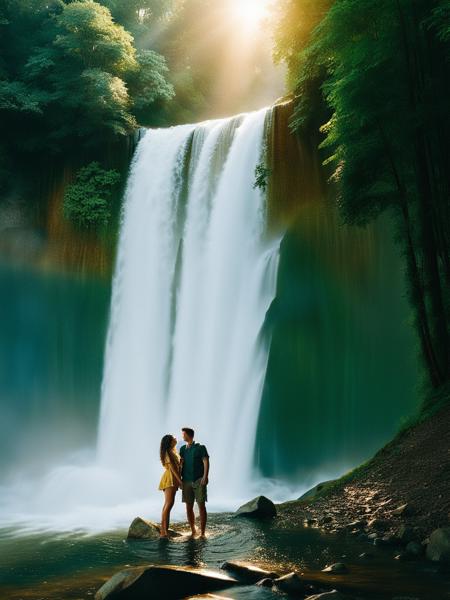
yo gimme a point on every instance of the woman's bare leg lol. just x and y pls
(169, 500)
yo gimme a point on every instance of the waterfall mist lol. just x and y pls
(195, 276)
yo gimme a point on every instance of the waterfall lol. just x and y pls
(195, 276)
(187, 342)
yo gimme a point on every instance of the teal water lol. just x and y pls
(342, 370)
(342, 367)
(51, 356)
(48, 567)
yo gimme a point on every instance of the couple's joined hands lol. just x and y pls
(203, 481)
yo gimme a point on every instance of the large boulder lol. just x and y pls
(155, 582)
(258, 508)
(438, 548)
(314, 491)
(247, 573)
(140, 529)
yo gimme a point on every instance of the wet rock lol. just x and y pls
(414, 549)
(406, 534)
(313, 492)
(258, 508)
(266, 582)
(140, 529)
(372, 536)
(356, 525)
(387, 540)
(401, 510)
(247, 573)
(438, 548)
(378, 524)
(336, 568)
(327, 520)
(290, 584)
(146, 583)
(331, 595)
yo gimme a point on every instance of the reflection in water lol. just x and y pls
(72, 566)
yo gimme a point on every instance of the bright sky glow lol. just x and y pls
(249, 13)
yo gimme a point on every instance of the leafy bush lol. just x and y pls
(87, 200)
(262, 174)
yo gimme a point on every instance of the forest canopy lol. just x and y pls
(371, 80)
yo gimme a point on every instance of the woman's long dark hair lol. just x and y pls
(166, 448)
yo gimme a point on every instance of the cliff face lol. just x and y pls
(33, 230)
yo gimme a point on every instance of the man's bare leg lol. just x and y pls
(203, 518)
(191, 517)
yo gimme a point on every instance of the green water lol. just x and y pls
(48, 567)
(51, 353)
(342, 369)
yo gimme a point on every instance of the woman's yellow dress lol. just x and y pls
(167, 479)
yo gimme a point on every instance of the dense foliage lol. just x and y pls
(73, 83)
(87, 199)
(70, 73)
(374, 75)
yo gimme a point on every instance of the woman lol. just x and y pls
(170, 480)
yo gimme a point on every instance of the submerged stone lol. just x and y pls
(258, 508)
(147, 583)
(247, 573)
(291, 584)
(336, 568)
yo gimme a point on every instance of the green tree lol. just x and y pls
(383, 70)
(69, 72)
(87, 200)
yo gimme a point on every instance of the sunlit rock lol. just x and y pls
(147, 583)
(336, 568)
(247, 573)
(140, 529)
(401, 510)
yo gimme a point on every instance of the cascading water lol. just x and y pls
(195, 277)
(187, 345)
(203, 363)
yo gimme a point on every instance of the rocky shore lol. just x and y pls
(401, 497)
(399, 500)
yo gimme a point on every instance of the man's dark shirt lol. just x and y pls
(193, 467)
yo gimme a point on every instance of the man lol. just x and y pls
(194, 475)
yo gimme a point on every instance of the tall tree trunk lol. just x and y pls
(413, 273)
(415, 73)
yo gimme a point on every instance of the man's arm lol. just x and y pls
(205, 470)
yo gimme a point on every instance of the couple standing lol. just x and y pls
(189, 471)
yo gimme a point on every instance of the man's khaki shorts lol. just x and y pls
(194, 491)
